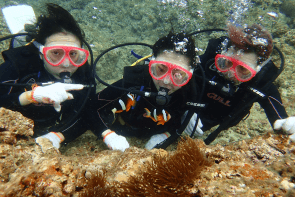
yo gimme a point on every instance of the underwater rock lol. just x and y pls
(288, 7)
(15, 123)
(290, 37)
(262, 166)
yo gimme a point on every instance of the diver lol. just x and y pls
(122, 113)
(239, 72)
(55, 57)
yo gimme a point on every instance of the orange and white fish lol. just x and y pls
(129, 103)
(161, 119)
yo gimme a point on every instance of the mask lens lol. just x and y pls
(159, 70)
(224, 64)
(55, 55)
(77, 56)
(179, 76)
(243, 72)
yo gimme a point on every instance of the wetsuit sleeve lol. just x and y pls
(8, 75)
(74, 127)
(100, 106)
(272, 105)
(82, 123)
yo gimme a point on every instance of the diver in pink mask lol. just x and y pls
(168, 74)
(239, 72)
(55, 58)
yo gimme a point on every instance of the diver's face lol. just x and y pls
(61, 39)
(249, 58)
(173, 58)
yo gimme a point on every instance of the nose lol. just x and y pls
(230, 73)
(166, 80)
(66, 63)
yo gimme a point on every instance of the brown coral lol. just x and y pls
(15, 122)
(168, 175)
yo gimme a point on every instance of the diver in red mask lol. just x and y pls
(45, 80)
(239, 72)
(167, 74)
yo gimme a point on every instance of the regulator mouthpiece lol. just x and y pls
(65, 77)
(163, 98)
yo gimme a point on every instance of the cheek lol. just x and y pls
(48, 66)
(51, 69)
(176, 87)
(156, 82)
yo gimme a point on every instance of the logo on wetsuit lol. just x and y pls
(219, 99)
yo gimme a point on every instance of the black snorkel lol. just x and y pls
(65, 77)
(163, 98)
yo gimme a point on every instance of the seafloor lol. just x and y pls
(108, 23)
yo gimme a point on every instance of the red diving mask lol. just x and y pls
(178, 75)
(56, 55)
(242, 71)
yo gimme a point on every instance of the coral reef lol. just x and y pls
(169, 174)
(262, 166)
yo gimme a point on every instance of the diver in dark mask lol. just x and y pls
(157, 117)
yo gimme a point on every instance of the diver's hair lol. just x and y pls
(179, 43)
(57, 20)
(253, 38)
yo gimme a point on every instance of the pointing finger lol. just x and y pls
(68, 87)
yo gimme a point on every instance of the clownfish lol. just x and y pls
(161, 119)
(129, 103)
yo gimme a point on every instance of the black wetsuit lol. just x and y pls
(23, 65)
(221, 103)
(136, 124)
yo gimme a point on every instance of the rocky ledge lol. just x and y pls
(262, 166)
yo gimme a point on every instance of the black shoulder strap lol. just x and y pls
(136, 76)
(23, 58)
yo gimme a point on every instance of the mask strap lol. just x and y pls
(264, 63)
(39, 46)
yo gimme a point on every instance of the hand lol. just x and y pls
(156, 139)
(55, 138)
(114, 141)
(190, 126)
(287, 125)
(124, 103)
(161, 117)
(55, 93)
